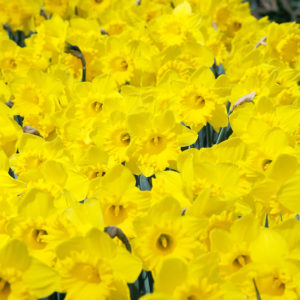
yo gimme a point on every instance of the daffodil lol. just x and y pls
(118, 61)
(94, 266)
(94, 162)
(33, 152)
(114, 137)
(177, 279)
(20, 18)
(92, 101)
(164, 233)
(37, 100)
(30, 224)
(49, 41)
(221, 181)
(158, 142)
(198, 102)
(287, 49)
(120, 199)
(278, 191)
(233, 245)
(22, 276)
(176, 28)
(91, 45)
(270, 270)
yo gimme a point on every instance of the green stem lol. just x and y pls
(256, 290)
(221, 135)
(208, 135)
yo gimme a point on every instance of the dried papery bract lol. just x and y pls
(261, 42)
(114, 231)
(240, 101)
(31, 130)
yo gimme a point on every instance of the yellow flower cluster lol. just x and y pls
(125, 109)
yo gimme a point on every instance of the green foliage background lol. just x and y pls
(277, 10)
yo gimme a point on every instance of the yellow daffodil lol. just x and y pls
(120, 199)
(284, 43)
(158, 142)
(198, 102)
(94, 266)
(164, 233)
(37, 100)
(178, 280)
(176, 28)
(22, 276)
(20, 15)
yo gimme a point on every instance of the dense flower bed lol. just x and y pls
(148, 146)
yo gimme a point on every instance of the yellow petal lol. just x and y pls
(55, 172)
(172, 273)
(41, 279)
(220, 240)
(127, 266)
(3, 161)
(15, 255)
(231, 150)
(183, 9)
(186, 137)
(269, 248)
(77, 184)
(245, 228)
(138, 122)
(36, 203)
(289, 194)
(219, 117)
(118, 180)
(76, 244)
(100, 244)
(203, 77)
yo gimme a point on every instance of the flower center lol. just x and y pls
(86, 272)
(199, 101)
(164, 242)
(156, 140)
(236, 25)
(117, 213)
(266, 163)
(288, 47)
(173, 27)
(95, 174)
(117, 210)
(123, 65)
(4, 289)
(38, 234)
(192, 297)
(97, 106)
(156, 143)
(271, 285)
(241, 261)
(12, 63)
(278, 284)
(125, 139)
